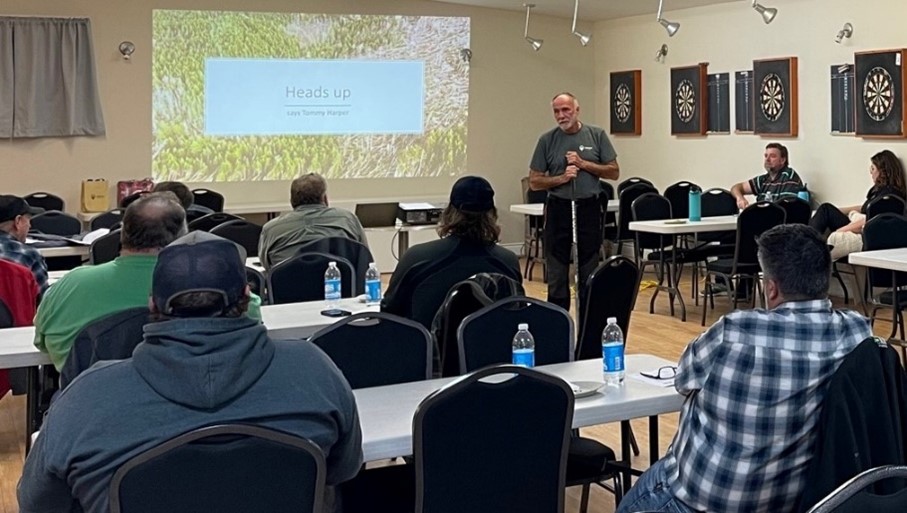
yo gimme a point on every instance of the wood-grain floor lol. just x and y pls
(658, 334)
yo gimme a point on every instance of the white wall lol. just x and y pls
(510, 89)
(729, 37)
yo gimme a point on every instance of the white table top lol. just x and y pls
(893, 259)
(257, 208)
(61, 251)
(681, 226)
(538, 209)
(386, 413)
(292, 320)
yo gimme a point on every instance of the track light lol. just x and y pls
(671, 26)
(583, 38)
(535, 43)
(844, 33)
(768, 13)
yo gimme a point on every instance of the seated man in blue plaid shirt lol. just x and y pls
(15, 221)
(754, 384)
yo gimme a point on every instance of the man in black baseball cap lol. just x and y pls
(202, 363)
(469, 234)
(15, 221)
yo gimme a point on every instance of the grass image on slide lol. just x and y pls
(184, 40)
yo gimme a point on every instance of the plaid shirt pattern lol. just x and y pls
(754, 384)
(26, 256)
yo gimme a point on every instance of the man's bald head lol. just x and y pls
(152, 222)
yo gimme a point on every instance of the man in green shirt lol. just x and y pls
(311, 219)
(90, 292)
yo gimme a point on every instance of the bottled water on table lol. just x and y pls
(332, 285)
(613, 353)
(372, 285)
(523, 347)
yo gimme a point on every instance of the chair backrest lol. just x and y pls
(223, 468)
(651, 206)
(129, 200)
(885, 231)
(486, 337)
(627, 196)
(610, 292)
(209, 198)
(679, 196)
(885, 204)
(240, 231)
(301, 278)
(112, 337)
(853, 496)
(107, 219)
(718, 202)
(464, 298)
(630, 182)
(608, 193)
(493, 446)
(54, 222)
(45, 200)
(426, 284)
(257, 283)
(373, 349)
(105, 248)
(206, 222)
(6, 316)
(753, 221)
(354, 252)
(797, 209)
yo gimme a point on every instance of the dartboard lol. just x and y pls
(685, 101)
(878, 94)
(623, 103)
(771, 97)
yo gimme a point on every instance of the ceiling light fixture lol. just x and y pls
(535, 43)
(671, 26)
(583, 38)
(768, 13)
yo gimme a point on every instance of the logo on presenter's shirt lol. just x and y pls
(584, 148)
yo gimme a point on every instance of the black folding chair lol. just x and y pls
(679, 196)
(625, 211)
(223, 468)
(755, 220)
(240, 231)
(629, 182)
(857, 495)
(208, 198)
(301, 278)
(54, 222)
(373, 349)
(887, 231)
(105, 248)
(478, 433)
(206, 222)
(45, 200)
(107, 219)
(797, 209)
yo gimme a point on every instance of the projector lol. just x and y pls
(418, 213)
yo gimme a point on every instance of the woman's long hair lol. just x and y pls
(891, 171)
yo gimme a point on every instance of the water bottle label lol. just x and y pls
(373, 291)
(613, 357)
(524, 357)
(332, 289)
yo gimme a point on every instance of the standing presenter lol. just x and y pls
(568, 162)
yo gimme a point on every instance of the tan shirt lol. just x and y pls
(282, 237)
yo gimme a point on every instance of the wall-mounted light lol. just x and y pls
(127, 48)
(583, 38)
(671, 26)
(661, 53)
(535, 43)
(768, 13)
(844, 33)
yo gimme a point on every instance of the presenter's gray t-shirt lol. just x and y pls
(591, 143)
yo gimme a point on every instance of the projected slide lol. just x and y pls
(243, 96)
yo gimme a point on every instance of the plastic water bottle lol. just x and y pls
(372, 285)
(613, 353)
(695, 204)
(523, 347)
(332, 285)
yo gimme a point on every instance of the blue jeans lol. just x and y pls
(652, 493)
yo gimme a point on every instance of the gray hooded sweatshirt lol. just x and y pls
(188, 373)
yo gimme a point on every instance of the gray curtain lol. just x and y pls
(48, 77)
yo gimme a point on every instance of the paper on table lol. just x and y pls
(665, 383)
